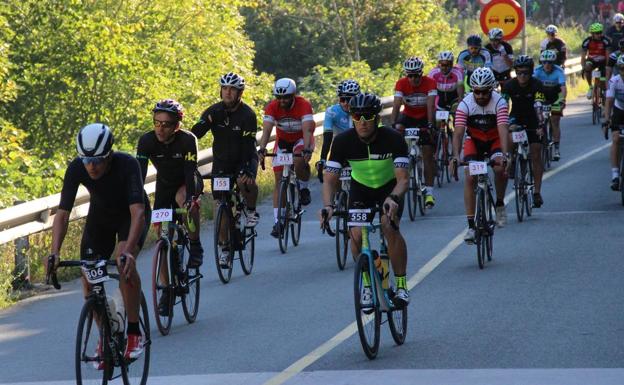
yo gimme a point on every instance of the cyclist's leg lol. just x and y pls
(555, 123)
(302, 168)
(587, 71)
(180, 199)
(536, 146)
(357, 199)
(248, 186)
(397, 249)
(500, 179)
(471, 152)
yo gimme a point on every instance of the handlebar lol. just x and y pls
(273, 155)
(455, 163)
(51, 271)
(326, 227)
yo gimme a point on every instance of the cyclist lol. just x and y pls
(473, 57)
(233, 125)
(418, 95)
(596, 49)
(293, 117)
(173, 152)
(337, 119)
(555, 91)
(483, 114)
(449, 81)
(502, 55)
(616, 31)
(527, 95)
(615, 118)
(117, 221)
(613, 56)
(378, 159)
(555, 43)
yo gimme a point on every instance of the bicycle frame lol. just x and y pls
(380, 295)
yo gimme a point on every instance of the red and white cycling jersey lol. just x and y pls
(482, 122)
(415, 98)
(289, 123)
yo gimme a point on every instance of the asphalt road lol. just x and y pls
(547, 310)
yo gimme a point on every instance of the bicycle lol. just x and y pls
(416, 191)
(620, 132)
(598, 96)
(239, 238)
(523, 172)
(380, 282)
(169, 264)
(109, 342)
(485, 218)
(341, 201)
(548, 146)
(289, 211)
(443, 147)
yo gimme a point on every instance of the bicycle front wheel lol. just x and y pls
(295, 212)
(528, 188)
(412, 195)
(421, 194)
(191, 289)
(135, 372)
(92, 350)
(223, 222)
(397, 321)
(248, 250)
(519, 188)
(160, 291)
(439, 158)
(283, 217)
(481, 229)
(342, 231)
(368, 318)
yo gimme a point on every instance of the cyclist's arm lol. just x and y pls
(267, 126)
(136, 204)
(328, 133)
(461, 118)
(508, 57)
(610, 94)
(502, 125)
(331, 172)
(539, 100)
(248, 144)
(564, 54)
(401, 165)
(137, 223)
(59, 230)
(68, 196)
(190, 166)
(308, 127)
(396, 107)
(142, 155)
(203, 125)
(460, 84)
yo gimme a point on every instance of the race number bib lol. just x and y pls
(412, 133)
(162, 215)
(360, 217)
(220, 184)
(283, 159)
(95, 272)
(519, 136)
(442, 115)
(546, 107)
(345, 173)
(595, 73)
(477, 168)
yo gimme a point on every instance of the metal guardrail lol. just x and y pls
(37, 215)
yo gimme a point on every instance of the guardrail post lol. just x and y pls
(21, 273)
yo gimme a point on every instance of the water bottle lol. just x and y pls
(378, 263)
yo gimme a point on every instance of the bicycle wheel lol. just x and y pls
(283, 217)
(135, 372)
(342, 231)
(439, 153)
(490, 217)
(86, 356)
(421, 193)
(224, 219)
(519, 188)
(295, 212)
(412, 195)
(481, 229)
(448, 150)
(368, 319)
(397, 321)
(528, 189)
(247, 254)
(594, 113)
(621, 175)
(158, 289)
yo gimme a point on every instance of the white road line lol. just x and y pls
(307, 360)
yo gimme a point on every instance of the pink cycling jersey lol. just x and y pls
(447, 84)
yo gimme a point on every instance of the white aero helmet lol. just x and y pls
(232, 80)
(618, 17)
(548, 55)
(551, 29)
(413, 65)
(495, 34)
(445, 56)
(284, 86)
(94, 140)
(482, 78)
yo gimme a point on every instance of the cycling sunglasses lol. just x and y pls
(548, 62)
(164, 123)
(482, 92)
(523, 73)
(366, 116)
(94, 160)
(284, 97)
(412, 76)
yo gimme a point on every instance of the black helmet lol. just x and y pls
(171, 106)
(523, 61)
(474, 41)
(365, 103)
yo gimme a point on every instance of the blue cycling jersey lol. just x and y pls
(337, 120)
(470, 63)
(552, 81)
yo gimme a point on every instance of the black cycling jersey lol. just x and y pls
(234, 133)
(558, 46)
(175, 162)
(372, 164)
(523, 100)
(615, 35)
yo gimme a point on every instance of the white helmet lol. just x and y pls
(232, 80)
(284, 86)
(551, 29)
(548, 55)
(618, 17)
(413, 65)
(348, 87)
(445, 56)
(481, 78)
(620, 61)
(93, 140)
(495, 34)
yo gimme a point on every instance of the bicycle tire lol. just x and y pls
(518, 188)
(528, 204)
(490, 215)
(249, 249)
(397, 322)
(191, 289)
(128, 375)
(224, 213)
(282, 217)
(86, 319)
(439, 159)
(295, 210)
(342, 231)
(412, 195)
(448, 144)
(162, 322)
(421, 194)
(481, 229)
(594, 110)
(370, 343)
(622, 176)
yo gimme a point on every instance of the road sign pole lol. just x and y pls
(524, 35)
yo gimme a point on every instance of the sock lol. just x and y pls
(302, 183)
(133, 328)
(275, 214)
(556, 145)
(400, 281)
(471, 222)
(429, 190)
(615, 173)
(499, 202)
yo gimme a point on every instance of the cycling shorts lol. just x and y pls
(102, 231)
(361, 196)
(166, 194)
(295, 147)
(617, 119)
(601, 65)
(476, 149)
(409, 122)
(555, 109)
(233, 169)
